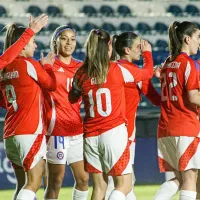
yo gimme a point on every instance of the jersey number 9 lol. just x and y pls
(11, 96)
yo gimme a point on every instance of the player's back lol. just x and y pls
(178, 115)
(105, 104)
(23, 98)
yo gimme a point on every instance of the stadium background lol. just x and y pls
(150, 19)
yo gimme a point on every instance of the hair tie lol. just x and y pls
(177, 25)
(97, 31)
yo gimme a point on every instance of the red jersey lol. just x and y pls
(132, 97)
(63, 118)
(105, 105)
(13, 51)
(20, 84)
(178, 116)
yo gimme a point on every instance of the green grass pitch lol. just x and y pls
(142, 193)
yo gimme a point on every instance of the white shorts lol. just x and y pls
(25, 150)
(62, 149)
(109, 152)
(178, 153)
(132, 151)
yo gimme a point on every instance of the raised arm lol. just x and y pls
(147, 57)
(13, 51)
(133, 73)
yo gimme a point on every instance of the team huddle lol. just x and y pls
(43, 127)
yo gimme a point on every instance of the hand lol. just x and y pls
(38, 23)
(145, 46)
(157, 71)
(49, 59)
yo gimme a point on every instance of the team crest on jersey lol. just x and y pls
(60, 155)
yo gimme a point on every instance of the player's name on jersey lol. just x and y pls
(95, 81)
(9, 75)
(174, 65)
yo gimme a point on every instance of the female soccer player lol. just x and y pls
(24, 139)
(35, 25)
(65, 128)
(127, 47)
(178, 129)
(101, 84)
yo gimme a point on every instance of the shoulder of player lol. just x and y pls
(19, 62)
(31, 61)
(185, 59)
(127, 63)
(76, 63)
(77, 60)
(116, 69)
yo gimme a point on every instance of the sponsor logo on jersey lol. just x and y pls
(61, 70)
(60, 155)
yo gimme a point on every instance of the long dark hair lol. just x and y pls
(120, 42)
(176, 33)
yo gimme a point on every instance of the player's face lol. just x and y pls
(67, 43)
(30, 48)
(194, 42)
(135, 50)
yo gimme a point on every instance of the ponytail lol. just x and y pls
(176, 33)
(13, 33)
(114, 55)
(97, 60)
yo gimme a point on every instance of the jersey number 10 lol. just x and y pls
(99, 104)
